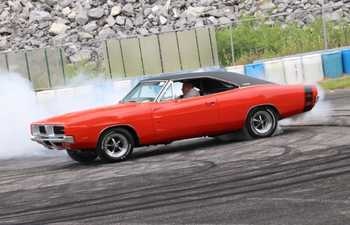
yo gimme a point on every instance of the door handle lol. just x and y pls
(156, 109)
(210, 103)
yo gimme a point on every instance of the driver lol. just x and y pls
(189, 90)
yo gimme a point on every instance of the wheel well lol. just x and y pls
(129, 129)
(266, 106)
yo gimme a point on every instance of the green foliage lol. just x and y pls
(255, 39)
(91, 69)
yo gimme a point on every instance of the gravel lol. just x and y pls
(29, 24)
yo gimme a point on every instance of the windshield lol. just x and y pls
(145, 92)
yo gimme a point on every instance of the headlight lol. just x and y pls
(47, 130)
(34, 129)
(58, 130)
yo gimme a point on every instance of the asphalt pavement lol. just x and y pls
(300, 176)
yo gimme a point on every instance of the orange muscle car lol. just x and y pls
(157, 111)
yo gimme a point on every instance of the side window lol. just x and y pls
(168, 94)
(212, 86)
(149, 91)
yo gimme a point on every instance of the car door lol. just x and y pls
(184, 118)
(232, 107)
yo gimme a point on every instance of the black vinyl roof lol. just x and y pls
(230, 77)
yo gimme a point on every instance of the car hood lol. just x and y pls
(86, 115)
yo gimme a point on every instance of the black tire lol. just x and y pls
(241, 135)
(82, 156)
(115, 145)
(261, 122)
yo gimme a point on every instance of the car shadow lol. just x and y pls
(189, 145)
(183, 146)
(196, 144)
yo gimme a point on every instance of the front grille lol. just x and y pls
(42, 130)
(58, 130)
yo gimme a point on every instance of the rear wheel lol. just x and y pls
(115, 145)
(261, 122)
(82, 156)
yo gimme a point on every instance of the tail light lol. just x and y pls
(311, 97)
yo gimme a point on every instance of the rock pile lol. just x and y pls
(80, 24)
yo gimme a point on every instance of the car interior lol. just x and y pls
(207, 86)
(148, 91)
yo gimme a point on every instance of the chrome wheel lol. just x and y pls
(115, 145)
(262, 122)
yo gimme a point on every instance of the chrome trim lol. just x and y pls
(170, 82)
(162, 90)
(51, 142)
(148, 81)
(56, 139)
(173, 90)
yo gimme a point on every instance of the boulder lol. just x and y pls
(116, 10)
(84, 36)
(36, 23)
(224, 20)
(139, 20)
(163, 20)
(128, 9)
(143, 31)
(66, 11)
(39, 15)
(120, 20)
(82, 16)
(110, 21)
(195, 11)
(96, 13)
(81, 56)
(267, 5)
(90, 27)
(106, 33)
(4, 44)
(58, 28)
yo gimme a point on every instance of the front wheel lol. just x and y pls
(82, 156)
(115, 145)
(261, 122)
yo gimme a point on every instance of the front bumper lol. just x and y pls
(54, 142)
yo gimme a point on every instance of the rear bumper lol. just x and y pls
(56, 142)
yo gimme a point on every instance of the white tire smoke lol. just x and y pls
(20, 105)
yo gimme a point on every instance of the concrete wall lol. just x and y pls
(306, 68)
(48, 68)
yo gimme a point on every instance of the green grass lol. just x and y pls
(339, 83)
(90, 69)
(254, 39)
